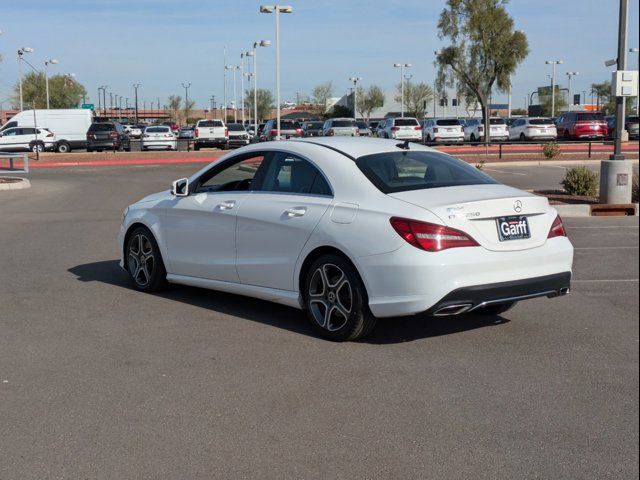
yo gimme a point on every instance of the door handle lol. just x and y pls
(227, 205)
(295, 212)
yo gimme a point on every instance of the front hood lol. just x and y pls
(156, 197)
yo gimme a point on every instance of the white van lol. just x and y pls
(69, 126)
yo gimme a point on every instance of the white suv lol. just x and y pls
(210, 133)
(537, 128)
(405, 128)
(474, 129)
(27, 138)
(442, 130)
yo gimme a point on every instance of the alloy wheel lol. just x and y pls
(330, 297)
(141, 259)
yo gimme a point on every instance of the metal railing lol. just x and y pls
(10, 159)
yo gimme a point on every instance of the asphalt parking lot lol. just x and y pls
(100, 381)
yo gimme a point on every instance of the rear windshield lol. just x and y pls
(315, 124)
(362, 125)
(235, 127)
(288, 125)
(406, 122)
(402, 171)
(156, 129)
(210, 123)
(582, 117)
(497, 121)
(102, 127)
(448, 122)
(541, 121)
(343, 123)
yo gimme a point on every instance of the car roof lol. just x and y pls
(356, 147)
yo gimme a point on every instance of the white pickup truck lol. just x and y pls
(210, 133)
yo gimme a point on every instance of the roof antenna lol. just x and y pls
(404, 145)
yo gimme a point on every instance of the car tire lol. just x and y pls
(63, 147)
(144, 262)
(496, 309)
(196, 147)
(89, 150)
(336, 300)
(472, 139)
(36, 147)
(523, 137)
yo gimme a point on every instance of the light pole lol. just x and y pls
(402, 66)
(51, 61)
(256, 44)
(242, 74)
(278, 9)
(226, 67)
(104, 99)
(135, 99)
(553, 84)
(637, 50)
(186, 101)
(235, 94)
(569, 76)
(355, 81)
(22, 51)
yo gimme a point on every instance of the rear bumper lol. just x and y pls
(469, 299)
(410, 281)
(211, 142)
(445, 139)
(238, 142)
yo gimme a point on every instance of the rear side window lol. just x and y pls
(541, 121)
(210, 123)
(448, 122)
(497, 121)
(406, 122)
(403, 171)
(101, 127)
(582, 117)
(288, 173)
(343, 123)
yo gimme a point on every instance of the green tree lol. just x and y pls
(265, 102)
(188, 107)
(484, 50)
(369, 99)
(174, 105)
(320, 95)
(64, 91)
(416, 97)
(605, 101)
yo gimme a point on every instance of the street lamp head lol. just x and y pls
(25, 50)
(267, 8)
(52, 61)
(264, 43)
(285, 9)
(248, 54)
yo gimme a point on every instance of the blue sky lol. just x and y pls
(161, 43)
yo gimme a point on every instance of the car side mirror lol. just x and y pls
(180, 188)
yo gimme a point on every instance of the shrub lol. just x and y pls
(580, 181)
(551, 150)
(634, 189)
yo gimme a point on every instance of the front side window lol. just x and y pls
(237, 176)
(394, 172)
(11, 132)
(288, 173)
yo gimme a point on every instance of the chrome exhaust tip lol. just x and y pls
(565, 291)
(453, 310)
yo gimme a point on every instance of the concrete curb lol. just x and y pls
(19, 185)
(579, 210)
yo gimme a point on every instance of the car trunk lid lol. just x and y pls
(475, 210)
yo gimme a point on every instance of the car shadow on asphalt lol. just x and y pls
(387, 331)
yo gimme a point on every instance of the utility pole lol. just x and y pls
(553, 63)
(355, 81)
(616, 174)
(186, 101)
(135, 89)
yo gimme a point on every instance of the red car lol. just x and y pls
(582, 125)
(173, 126)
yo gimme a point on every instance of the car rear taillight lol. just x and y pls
(145, 135)
(357, 131)
(557, 229)
(330, 132)
(195, 132)
(226, 132)
(395, 129)
(435, 130)
(480, 129)
(299, 131)
(90, 135)
(430, 236)
(113, 134)
(420, 128)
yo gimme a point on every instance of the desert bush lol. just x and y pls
(580, 181)
(551, 150)
(634, 189)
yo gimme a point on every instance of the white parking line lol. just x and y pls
(503, 171)
(604, 226)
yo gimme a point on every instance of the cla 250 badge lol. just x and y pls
(513, 228)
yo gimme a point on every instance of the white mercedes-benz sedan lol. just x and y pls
(350, 230)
